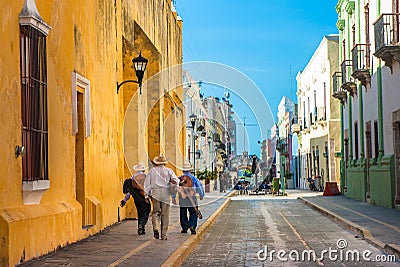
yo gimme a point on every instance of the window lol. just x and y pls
(376, 142)
(368, 140)
(356, 140)
(34, 104)
(346, 147)
(313, 164)
(308, 106)
(366, 17)
(304, 115)
(317, 161)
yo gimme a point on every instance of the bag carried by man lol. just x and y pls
(127, 185)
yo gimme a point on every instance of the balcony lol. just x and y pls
(361, 55)
(296, 128)
(348, 83)
(282, 147)
(337, 89)
(313, 119)
(321, 116)
(387, 45)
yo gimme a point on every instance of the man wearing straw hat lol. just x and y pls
(142, 203)
(189, 186)
(158, 184)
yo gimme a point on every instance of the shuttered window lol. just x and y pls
(34, 104)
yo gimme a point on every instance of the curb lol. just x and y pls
(357, 229)
(180, 255)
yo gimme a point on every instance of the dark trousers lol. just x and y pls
(143, 210)
(186, 222)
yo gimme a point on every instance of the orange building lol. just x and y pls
(66, 144)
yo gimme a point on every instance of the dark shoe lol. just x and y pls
(140, 229)
(156, 234)
(163, 237)
(192, 230)
(184, 231)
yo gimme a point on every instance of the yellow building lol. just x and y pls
(63, 124)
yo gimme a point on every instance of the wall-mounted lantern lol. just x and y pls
(140, 64)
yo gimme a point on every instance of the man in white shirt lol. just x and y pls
(158, 184)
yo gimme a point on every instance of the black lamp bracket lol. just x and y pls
(128, 81)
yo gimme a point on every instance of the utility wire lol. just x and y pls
(188, 27)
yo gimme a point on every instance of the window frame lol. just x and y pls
(34, 108)
(81, 83)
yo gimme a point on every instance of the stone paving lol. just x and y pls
(247, 225)
(382, 223)
(119, 245)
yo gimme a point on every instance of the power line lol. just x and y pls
(187, 27)
(244, 130)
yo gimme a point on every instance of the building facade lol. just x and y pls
(318, 122)
(198, 149)
(68, 138)
(367, 87)
(286, 112)
(222, 136)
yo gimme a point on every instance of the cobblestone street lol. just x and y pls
(251, 224)
(237, 230)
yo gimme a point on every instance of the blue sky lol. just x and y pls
(269, 41)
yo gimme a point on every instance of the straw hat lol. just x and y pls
(139, 167)
(187, 167)
(161, 159)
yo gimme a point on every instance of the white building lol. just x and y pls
(214, 134)
(286, 111)
(199, 155)
(318, 126)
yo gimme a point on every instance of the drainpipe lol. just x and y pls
(360, 94)
(380, 112)
(350, 99)
(342, 172)
(350, 106)
(361, 124)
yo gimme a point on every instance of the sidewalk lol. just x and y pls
(377, 225)
(119, 244)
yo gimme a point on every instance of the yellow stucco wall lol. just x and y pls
(96, 39)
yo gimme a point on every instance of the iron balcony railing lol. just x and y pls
(282, 146)
(338, 91)
(346, 71)
(361, 57)
(348, 83)
(386, 31)
(337, 81)
(387, 45)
